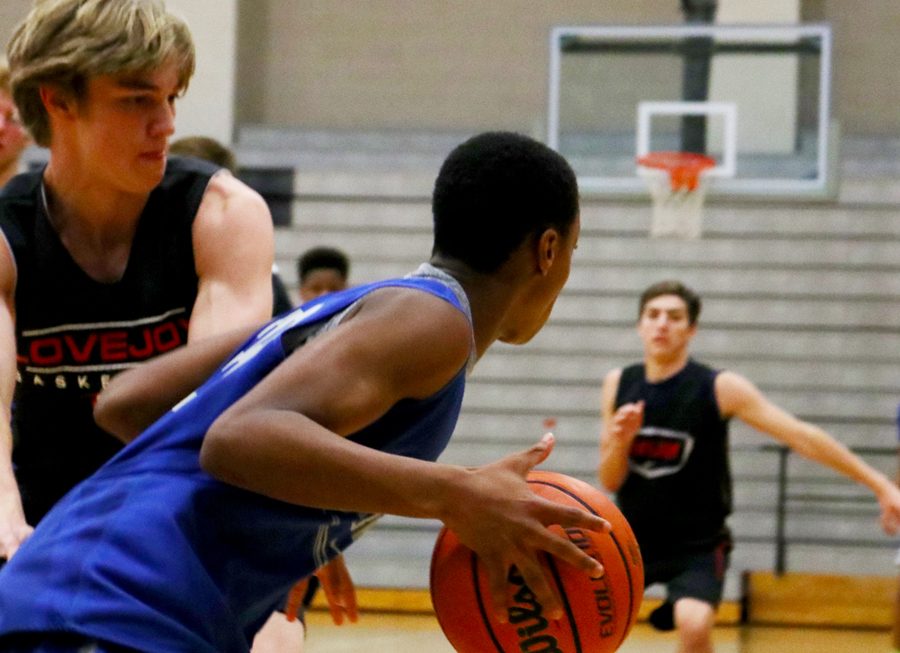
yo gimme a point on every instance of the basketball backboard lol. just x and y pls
(761, 105)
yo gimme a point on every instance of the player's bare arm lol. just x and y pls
(740, 398)
(233, 252)
(339, 382)
(138, 397)
(294, 453)
(619, 430)
(13, 529)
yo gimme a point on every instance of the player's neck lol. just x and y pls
(77, 202)
(489, 300)
(97, 236)
(660, 368)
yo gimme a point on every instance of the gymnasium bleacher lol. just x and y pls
(799, 296)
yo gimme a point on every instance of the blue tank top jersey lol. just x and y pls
(153, 553)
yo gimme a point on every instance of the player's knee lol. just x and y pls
(695, 636)
(694, 620)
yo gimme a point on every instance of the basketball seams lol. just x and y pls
(615, 540)
(479, 600)
(469, 570)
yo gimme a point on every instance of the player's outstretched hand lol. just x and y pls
(889, 500)
(627, 421)
(13, 528)
(495, 514)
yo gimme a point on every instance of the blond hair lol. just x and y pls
(4, 76)
(66, 42)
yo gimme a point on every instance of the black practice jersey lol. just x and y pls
(74, 333)
(678, 490)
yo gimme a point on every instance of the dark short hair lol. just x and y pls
(672, 287)
(493, 192)
(318, 258)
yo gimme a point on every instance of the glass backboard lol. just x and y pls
(755, 97)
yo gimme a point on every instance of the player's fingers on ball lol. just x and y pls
(570, 516)
(536, 579)
(560, 547)
(497, 572)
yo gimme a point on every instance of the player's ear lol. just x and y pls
(55, 100)
(547, 250)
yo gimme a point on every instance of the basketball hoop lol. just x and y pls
(678, 189)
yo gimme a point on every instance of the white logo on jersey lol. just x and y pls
(659, 452)
(269, 333)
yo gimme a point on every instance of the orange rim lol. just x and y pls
(684, 168)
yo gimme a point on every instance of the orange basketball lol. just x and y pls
(598, 612)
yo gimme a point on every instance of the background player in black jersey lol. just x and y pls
(112, 253)
(13, 136)
(663, 449)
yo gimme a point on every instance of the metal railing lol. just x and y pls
(831, 503)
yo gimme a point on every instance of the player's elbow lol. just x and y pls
(114, 415)
(219, 453)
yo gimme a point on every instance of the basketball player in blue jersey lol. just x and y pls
(664, 451)
(327, 417)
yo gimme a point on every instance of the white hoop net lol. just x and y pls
(677, 213)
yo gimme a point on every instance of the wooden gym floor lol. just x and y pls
(388, 633)
(859, 611)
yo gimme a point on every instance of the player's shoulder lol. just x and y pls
(232, 211)
(610, 386)
(734, 390)
(423, 340)
(729, 379)
(612, 377)
(425, 316)
(417, 307)
(233, 198)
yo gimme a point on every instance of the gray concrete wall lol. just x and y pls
(447, 65)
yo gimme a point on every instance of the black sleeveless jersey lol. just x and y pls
(74, 333)
(678, 490)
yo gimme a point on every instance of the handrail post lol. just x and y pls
(781, 512)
